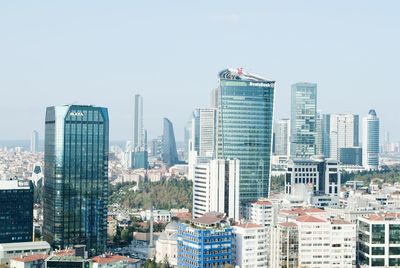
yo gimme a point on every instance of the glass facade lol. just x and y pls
(76, 177)
(169, 155)
(16, 211)
(304, 119)
(371, 141)
(245, 113)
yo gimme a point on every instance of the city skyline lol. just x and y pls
(55, 65)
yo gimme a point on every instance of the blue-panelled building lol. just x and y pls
(76, 177)
(205, 242)
(244, 131)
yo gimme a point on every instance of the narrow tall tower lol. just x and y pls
(34, 141)
(370, 141)
(169, 154)
(303, 120)
(138, 132)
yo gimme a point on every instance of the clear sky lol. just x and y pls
(103, 52)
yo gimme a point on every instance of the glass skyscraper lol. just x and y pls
(244, 131)
(169, 154)
(370, 141)
(76, 177)
(304, 120)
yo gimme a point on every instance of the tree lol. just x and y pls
(126, 235)
(165, 263)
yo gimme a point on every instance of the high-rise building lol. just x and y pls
(282, 137)
(138, 131)
(320, 173)
(169, 153)
(194, 144)
(216, 188)
(206, 242)
(16, 211)
(370, 141)
(207, 131)
(34, 141)
(344, 133)
(187, 135)
(76, 177)
(326, 130)
(319, 141)
(245, 113)
(214, 98)
(303, 120)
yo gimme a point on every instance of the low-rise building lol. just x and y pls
(11, 250)
(28, 261)
(167, 244)
(115, 261)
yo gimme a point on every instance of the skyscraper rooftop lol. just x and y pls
(240, 74)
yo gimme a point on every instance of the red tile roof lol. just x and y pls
(109, 259)
(288, 224)
(309, 218)
(265, 203)
(65, 252)
(30, 258)
(382, 217)
(340, 221)
(248, 225)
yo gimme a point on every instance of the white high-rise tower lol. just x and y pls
(370, 141)
(34, 141)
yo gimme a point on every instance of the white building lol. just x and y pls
(30, 261)
(379, 240)
(166, 245)
(158, 215)
(318, 243)
(251, 245)
(216, 188)
(10, 250)
(344, 133)
(207, 131)
(284, 246)
(262, 212)
(370, 141)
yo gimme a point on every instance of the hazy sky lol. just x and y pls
(103, 52)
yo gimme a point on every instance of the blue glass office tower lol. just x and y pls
(244, 131)
(304, 120)
(76, 177)
(169, 154)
